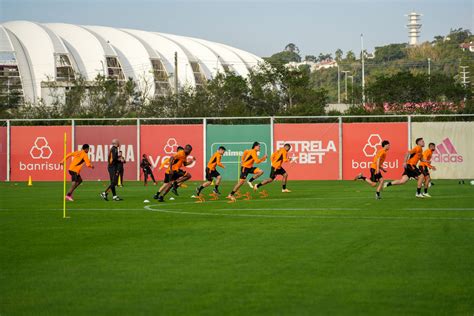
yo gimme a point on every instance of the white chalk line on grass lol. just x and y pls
(440, 209)
(179, 211)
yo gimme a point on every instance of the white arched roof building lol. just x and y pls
(32, 55)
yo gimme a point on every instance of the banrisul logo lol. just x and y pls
(446, 152)
(41, 152)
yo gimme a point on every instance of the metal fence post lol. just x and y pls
(8, 150)
(409, 131)
(138, 158)
(272, 122)
(204, 146)
(340, 147)
(73, 135)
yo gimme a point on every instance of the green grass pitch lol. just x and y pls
(326, 248)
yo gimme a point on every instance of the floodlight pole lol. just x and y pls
(338, 85)
(363, 67)
(345, 79)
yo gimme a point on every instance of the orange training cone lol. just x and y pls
(30, 182)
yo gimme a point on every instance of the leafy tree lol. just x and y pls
(350, 56)
(311, 58)
(291, 47)
(390, 52)
(339, 54)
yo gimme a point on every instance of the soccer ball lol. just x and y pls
(171, 198)
(472, 182)
(146, 201)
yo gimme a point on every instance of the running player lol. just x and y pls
(80, 158)
(112, 168)
(211, 172)
(411, 170)
(278, 158)
(249, 157)
(376, 178)
(174, 175)
(425, 167)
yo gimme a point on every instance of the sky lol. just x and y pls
(262, 27)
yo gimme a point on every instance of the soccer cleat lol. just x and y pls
(378, 197)
(103, 195)
(69, 198)
(420, 196)
(197, 192)
(385, 184)
(216, 191)
(358, 177)
(231, 198)
(427, 195)
(161, 199)
(156, 196)
(117, 198)
(250, 184)
(285, 191)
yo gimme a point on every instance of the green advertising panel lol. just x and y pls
(236, 139)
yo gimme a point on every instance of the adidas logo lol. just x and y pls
(446, 152)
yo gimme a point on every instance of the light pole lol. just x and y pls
(363, 67)
(345, 79)
(352, 89)
(338, 85)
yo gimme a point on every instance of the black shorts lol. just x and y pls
(425, 171)
(76, 177)
(411, 171)
(169, 177)
(113, 174)
(211, 174)
(275, 172)
(375, 177)
(244, 172)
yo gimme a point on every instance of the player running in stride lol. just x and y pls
(174, 175)
(376, 178)
(277, 158)
(248, 159)
(80, 158)
(425, 167)
(212, 173)
(411, 170)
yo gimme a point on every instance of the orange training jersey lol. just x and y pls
(427, 158)
(382, 154)
(179, 159)
(215, 161)
(79, 158)
(279, 157)
(415, 155)
(164, 163)
(250, 157)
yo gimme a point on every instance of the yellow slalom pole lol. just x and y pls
(64, 178)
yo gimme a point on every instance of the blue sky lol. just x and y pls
(260, 26)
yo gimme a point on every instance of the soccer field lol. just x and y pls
(326, 248)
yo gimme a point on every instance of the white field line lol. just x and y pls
(177, 211)
(440, 209)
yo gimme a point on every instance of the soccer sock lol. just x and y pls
(378, 193)
(284, 187)
(251, 179)
(216, 187)
(426, 190)
(418, 190)
(389, 184)
(200, 189)
(363, 178)
(232, 193)
(259, 185)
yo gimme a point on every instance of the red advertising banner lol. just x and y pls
(314, 153)
(100, 139)
(36, 151)
(3, 153)
(160, 142)
(361, 142)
